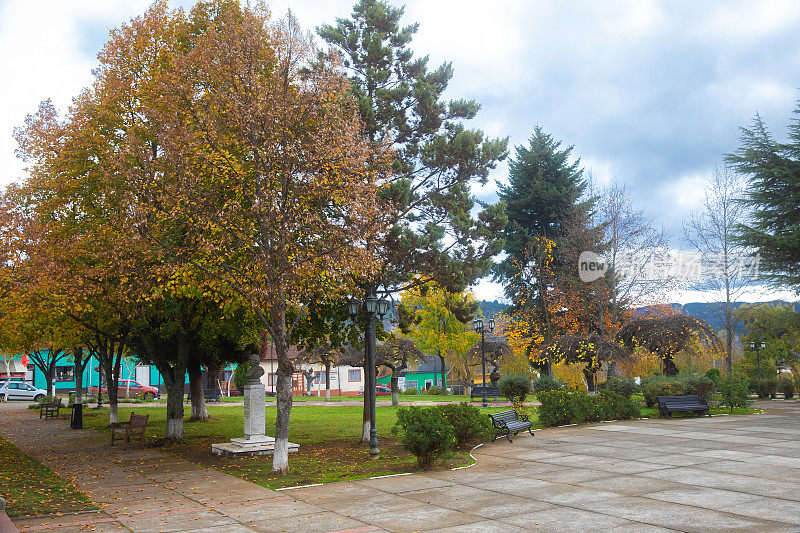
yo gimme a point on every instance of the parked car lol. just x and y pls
(380, 390)
(19, 390)
(136, 390)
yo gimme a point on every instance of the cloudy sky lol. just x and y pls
(650, 93)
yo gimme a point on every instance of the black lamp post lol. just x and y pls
(373, 306)
(478, 325)
(758, 346)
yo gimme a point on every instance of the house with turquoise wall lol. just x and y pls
(64, 380)
(421, 378)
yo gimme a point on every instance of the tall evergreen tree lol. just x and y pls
(773, 194)
(543, 199)
(435, 235)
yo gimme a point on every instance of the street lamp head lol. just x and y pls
(491, 324)
(477, 324)
(382, 306)
(372, 304)
(352, 306)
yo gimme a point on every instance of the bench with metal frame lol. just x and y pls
(491, 392)
(685, 403)
(50, 410)
(126, 431)
(507, 422)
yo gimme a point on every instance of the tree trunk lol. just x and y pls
(444, 377)
(669, 366)
(213, 375)
(199, 411)
(328, 381)
(280, 458)
(365, 418)
(50, 376)
(395, 391)
(112, 382)
(80, 364)
(174, 380)
(590, 379)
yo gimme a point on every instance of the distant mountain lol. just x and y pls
(708, 311)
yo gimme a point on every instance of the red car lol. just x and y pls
(380, 390)
(135, 390)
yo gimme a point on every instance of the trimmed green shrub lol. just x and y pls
(426, 433)
(617, 406)
(701, 385)
(561, 407)
(661, 386)
(435, 390)
(714, 374)
(735, 392)
(585, 407)
(410, 391)
(546, 384)
(470, 425)
(515, 387)
(767, 388)
(556, 408)
(240, 375)
(786, 386)
(624, 387)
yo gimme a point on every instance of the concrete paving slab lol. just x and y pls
(484, 503)
(486, 526)
(559, 518)
(704, 497)
(313, 522)
(398, 484)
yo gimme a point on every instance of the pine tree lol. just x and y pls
(541, 198)
(773, 195)
(435, 235)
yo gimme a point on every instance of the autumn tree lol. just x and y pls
(438, 323)
(256, 176)
(778, 327)
(397, 354)
(726, 266)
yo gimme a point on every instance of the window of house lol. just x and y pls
(411, 384)
(354, 375)
(65, 373)
(319, 377)
(271, 379)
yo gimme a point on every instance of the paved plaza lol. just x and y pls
(725, 473)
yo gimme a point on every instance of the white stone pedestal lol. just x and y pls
(254, 406)
(255, 442)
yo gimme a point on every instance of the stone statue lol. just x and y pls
(255, 372)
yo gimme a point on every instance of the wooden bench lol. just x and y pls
(491, 392)
(127, 430)
(50, 410)
(508, 422)
(209, 395)
(675, 404)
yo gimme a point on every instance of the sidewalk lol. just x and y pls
(725, 473)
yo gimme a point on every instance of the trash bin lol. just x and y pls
(76, 420)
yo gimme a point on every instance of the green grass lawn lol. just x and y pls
(334, 398)
(327, 435)
(31, 488)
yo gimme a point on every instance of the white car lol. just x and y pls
(19, 390)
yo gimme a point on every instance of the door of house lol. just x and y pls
(143, 374)
(298, 384)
